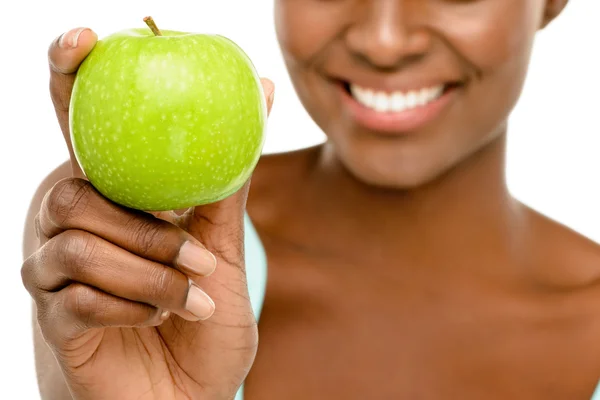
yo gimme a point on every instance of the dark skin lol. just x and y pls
(403, 267)
(400, 266)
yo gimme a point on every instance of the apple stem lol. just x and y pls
(152, 25)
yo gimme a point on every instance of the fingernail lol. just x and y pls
(165, 315)
(70, 40)
(198, 303)
(272, 97)
(196, 259)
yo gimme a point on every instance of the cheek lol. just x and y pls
(492, 34)
(305, 27)
(305, 30)
(494, 41)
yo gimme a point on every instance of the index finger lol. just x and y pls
(73, 204)
(65, 55)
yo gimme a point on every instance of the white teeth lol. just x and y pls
(368, 96)
(411, 100)
(423, 97)
(397, 101)
(382, 102)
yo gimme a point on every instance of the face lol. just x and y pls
(407, 89)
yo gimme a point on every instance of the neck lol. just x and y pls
(464, 216)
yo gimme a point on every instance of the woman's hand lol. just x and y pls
(135, 305)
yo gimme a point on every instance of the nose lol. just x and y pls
(388, 33)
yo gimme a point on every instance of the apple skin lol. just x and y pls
(167, 122)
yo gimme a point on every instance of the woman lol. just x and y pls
(399, 265)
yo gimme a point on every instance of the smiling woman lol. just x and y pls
(399, 264)
(467, 59)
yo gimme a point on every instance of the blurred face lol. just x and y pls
(407, 89)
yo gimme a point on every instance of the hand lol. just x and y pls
(135, 305)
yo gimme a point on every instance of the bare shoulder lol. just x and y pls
(565, 266)
(277, 179)
(29, 238)
(564, 258)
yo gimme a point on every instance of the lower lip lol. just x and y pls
(397, 122)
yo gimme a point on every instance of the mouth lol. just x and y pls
(396, 112)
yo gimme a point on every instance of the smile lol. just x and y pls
(397, 112)
(395, 102)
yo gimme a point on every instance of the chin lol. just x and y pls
(397, 174)
(413, 161)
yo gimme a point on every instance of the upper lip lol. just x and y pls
(405, 85)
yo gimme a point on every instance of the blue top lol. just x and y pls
(256, 273)
(596, 395)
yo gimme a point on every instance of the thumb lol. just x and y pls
(219, 226)
(65, 55)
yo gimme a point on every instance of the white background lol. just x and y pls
(554, 139)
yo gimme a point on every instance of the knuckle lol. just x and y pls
(160, 286)
(68, 200)
(83, 303)
(140, 315)
(28, 274)
(76, 252)
(147, 236)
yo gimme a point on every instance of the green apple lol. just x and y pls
(167, 122)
